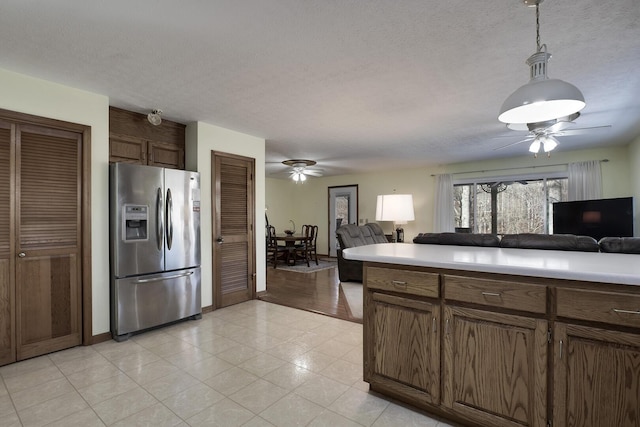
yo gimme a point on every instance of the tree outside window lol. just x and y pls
(508, 206)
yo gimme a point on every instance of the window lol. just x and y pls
(508, 205)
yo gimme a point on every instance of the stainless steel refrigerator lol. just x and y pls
(154, 247)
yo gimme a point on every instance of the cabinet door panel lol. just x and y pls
(165, 155)
(597, 377)
(495, 367)
(127, 149)
(406, 338)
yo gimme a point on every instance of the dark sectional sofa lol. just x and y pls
(350, 236)
(558, 242)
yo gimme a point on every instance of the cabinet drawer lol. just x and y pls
(608, 307)
(405, 281)
(496, 293)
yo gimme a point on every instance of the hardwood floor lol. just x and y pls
(318, 292)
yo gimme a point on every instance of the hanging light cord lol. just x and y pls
(538, 26)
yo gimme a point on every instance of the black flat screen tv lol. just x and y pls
(596, 218)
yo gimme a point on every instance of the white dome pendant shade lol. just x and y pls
(541, 99)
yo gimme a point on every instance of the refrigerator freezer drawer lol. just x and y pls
(144, 302)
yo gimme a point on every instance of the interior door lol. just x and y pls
(48, 240)
(234, 238)
(343, 209)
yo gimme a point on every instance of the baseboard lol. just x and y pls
(96, 339)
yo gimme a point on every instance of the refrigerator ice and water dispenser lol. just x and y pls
(135, 226)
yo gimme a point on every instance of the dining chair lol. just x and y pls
(307, 246)
(301, 246)
(311, 250)
(274, 251)
(304, 232)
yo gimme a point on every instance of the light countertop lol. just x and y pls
(585, 266)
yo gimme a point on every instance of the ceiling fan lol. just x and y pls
(543, 135)
(300, 169)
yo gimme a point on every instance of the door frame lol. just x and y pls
(85, 216)
(333, 192)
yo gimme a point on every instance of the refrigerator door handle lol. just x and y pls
(159, 217)
(169, 219)
(157, 279)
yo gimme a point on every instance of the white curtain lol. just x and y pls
(443, 215)
(585, 180)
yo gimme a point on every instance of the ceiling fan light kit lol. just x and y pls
(300, 171)
(541, 99)
(546, 142)
(298, 177)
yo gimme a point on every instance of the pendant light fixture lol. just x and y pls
(542, 98)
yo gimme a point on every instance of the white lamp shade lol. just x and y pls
(395, 207)
(535, 146)
(541, 100)
(549, 144)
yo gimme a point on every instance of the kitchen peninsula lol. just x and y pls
(504, 337)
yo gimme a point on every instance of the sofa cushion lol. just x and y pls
(377, 233)
(458, 239)
(350, 236)
(559, 242)
(624, 245)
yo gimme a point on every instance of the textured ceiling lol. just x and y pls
(357, 85)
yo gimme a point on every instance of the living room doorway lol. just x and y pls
(343, 209)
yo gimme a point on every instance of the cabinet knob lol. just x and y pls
(22, 255)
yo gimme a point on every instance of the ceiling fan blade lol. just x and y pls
(578, 131)
(513, 143)
(512, 135)
(313, 172)
(559, 127)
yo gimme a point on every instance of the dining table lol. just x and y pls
(292, 242)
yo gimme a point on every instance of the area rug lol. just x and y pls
(301, 267)
(353, 293)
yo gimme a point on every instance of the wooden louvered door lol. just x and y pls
(234, 239)
(48, 240)
(7, 285)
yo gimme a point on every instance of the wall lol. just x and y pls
(308, 203)
(311, 198)
(41, 98)
(46, 99)
(201, 140)
(634, 166)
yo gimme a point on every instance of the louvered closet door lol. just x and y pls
(48, 297)
(7, 286)
(234, 259)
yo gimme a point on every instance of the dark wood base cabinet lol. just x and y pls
(485, 349)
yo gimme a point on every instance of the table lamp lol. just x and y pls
(397, 208)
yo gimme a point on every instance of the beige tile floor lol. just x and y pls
(252, 364)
